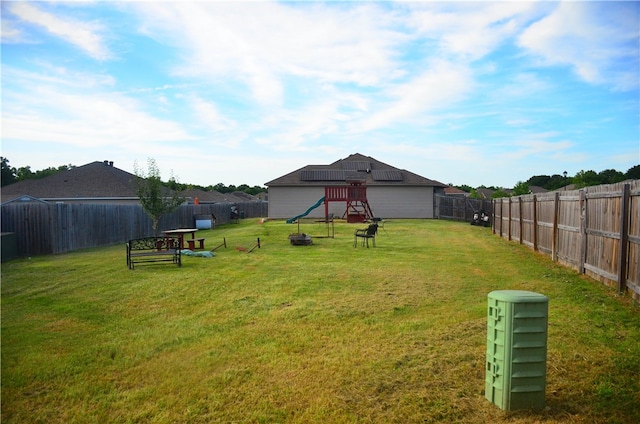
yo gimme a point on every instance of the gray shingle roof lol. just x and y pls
(355, 167)
(94, 180)
(217, 197)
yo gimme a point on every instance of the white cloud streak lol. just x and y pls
(83, 35)
(85, 121)
(274, 41)
(592, 38)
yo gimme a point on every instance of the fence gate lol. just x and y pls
(460, 208)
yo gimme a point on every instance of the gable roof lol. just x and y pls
(454, 191)
(356, 167)
(485, 193)
(537, 189)
(94, 180)
(214, 196)
(23, 199)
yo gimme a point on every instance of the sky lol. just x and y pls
(464, 93)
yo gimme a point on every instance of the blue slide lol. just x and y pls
(295, 218)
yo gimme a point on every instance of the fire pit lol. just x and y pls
(298, 239)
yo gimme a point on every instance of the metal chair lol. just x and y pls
(365, 234)
(380, 222)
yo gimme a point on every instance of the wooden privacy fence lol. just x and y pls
(45, 228)
(460, 208)
(595, 230)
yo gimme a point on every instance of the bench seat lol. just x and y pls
(192, 243)
(153, 249)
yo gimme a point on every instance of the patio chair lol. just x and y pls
(380, 222)
(365, 234)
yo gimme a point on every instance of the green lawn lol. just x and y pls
(326, 333)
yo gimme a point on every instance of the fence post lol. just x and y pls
(510, 218)
(501, 216)
(554, 241)
(624, 238)
(520, 217)
(583, 230)
(493, 215)
(535, 223)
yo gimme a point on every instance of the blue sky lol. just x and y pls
(477, 93)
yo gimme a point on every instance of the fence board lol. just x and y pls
(595, 230)
(460, 208)
(633, 254)
(45, 228)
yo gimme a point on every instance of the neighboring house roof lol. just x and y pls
(244, 197)
(217, 197)
(23, 199)
(454, 191)
(96, 180)
(356, 167)
(567, 188)
(485, 193)
(537, 189)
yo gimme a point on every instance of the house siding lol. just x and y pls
(287, 202)
(401, 202)
(385, 202)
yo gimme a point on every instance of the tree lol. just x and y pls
(24, 173)
(473, 194)
(585, 179)
(500, 193)
(464, 187)
(521, 188)
(610, 176)
(8, 173)
(155, 199)
(633, 173)
(557, 181)
(539, 180)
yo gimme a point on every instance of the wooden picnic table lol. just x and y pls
(181, 232)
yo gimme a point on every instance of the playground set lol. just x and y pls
(357, 209)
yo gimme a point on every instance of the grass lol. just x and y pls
(302, 334)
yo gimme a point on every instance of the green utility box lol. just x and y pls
(516, 368)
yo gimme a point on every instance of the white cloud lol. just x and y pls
(535, 145)
(598, 40)
(469, 30)
(83, 35)
(209, 115)
(440, 86)
(350, 45)
(85, 121)
(50, 74)
(9, 32)
(300, 129)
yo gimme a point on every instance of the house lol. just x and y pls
(390, 192)
(537, 190)
(96, 182)
(485, 193)
(100, 182)
(213, 196)
(454, 191)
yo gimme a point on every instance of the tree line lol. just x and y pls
(554, 182)
(582, 179)
(12, 175)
